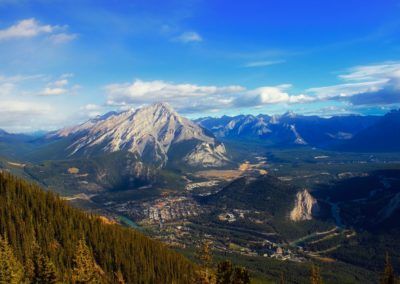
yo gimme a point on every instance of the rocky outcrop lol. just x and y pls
(305, 207)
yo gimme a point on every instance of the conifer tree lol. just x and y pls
(119, 277)
(282, 279)
(241, 276)
(85, 268)
(315, 277)
(11, 270)
(205, 258)
(224, 272)
(227, 274)
(388, 276)
(44, 270)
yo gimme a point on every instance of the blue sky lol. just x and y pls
(62, 62)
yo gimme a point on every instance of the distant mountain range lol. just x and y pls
(354, 133)
(157, 135)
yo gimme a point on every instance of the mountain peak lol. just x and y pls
(149, 132)
(160, 106)
(289, 114)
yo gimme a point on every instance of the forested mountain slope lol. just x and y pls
(35, 223)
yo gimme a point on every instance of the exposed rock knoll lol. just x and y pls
(305, 207)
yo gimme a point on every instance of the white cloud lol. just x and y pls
(195, 98)
(29, 28)
(346, 90)
(62, 38)
(22, 116)
(61, 83)
(9, 84)
(187, 37)
(372, 72)
(362, 80)
(60, 86)
(93, 110)
(25, 105)
(263, 63)
(53, 91)
(92, 107)
(270, 95)
(26, 28)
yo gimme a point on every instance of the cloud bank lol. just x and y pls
(195, 98)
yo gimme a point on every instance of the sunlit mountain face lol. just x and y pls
(210, 141)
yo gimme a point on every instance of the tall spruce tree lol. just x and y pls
(227, 274)
(85, 268)
(282, 279)
(224, 272)
(315, 277)
(241, 276)
(44, 270)
(388, 276)
(11, 270)
(204, 255)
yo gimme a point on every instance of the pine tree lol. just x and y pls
(205, 258)
(11, 270)
(224, 272)
(227, 274)
(315, 277)
(119, 277)
(282, 279)
(85, 268)
(44, 270)
(241, 276)
(388, 276)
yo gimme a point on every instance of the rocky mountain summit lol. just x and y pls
(150, 133)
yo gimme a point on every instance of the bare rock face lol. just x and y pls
(305, 207)
(148, 132)
(207, 155)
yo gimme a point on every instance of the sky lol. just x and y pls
(63, 62)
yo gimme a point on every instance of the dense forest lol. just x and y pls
(44, 240)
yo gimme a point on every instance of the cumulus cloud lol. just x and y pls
(29, 28)
(26, 28)
(270, 95)
(195, 98)
(59, 87)
(187, 37)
